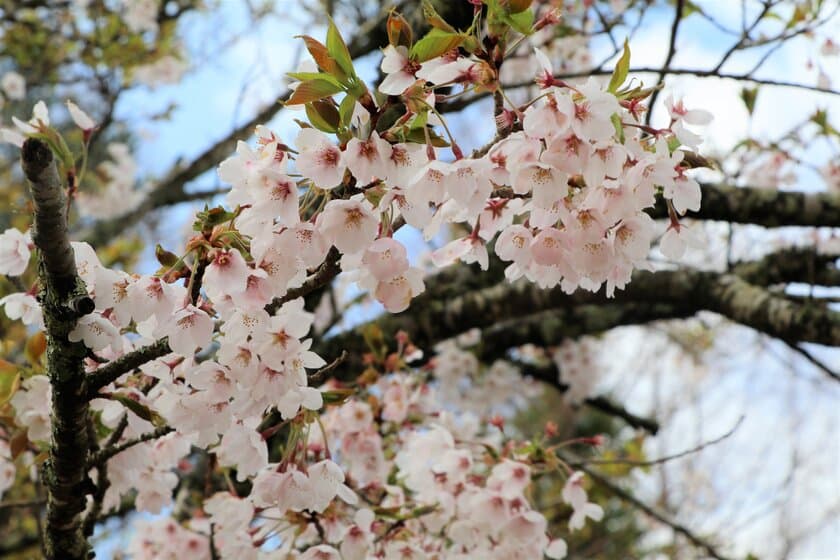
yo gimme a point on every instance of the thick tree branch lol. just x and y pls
(63, 299)
(688, 290)
(763, 207)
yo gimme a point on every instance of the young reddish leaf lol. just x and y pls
(435, 43)
(622, 68)
(35, 348)
(322, 57)
(312, 90)
(18, 444)
(399, 31)
(164, 257)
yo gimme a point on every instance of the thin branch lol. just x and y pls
(125, 364)
(318, 377)
(667, 458)
(611, 408)
(101, 457)
(653, 513)
(672, 50)
(328, 270)
(819, 364)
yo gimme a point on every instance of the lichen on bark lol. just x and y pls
(63, 299)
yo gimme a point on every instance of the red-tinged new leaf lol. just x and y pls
(313, 90)
(322, 57)
(399, 31)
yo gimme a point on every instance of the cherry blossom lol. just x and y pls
(13, 85)
(319, 159)
(350, 225)
(14, 252)
(399, 70)
(97, 332)
(188, 329)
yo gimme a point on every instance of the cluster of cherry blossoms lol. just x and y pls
(389, 472)
(428, 487)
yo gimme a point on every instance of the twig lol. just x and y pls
(124, 364)
(317, 377)
(102, 457)
(815, 361)
(653, 513)
(672, 50)
(328, 270)
(665, 459)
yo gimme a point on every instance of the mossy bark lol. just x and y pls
(63, 299)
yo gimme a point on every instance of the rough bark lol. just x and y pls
(681, 291)
(763, 207)
(63, 299)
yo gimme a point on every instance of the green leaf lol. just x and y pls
(323, 115)
(345, 109)
(306, 76)
(417, 136)
(522, 22)
(619, 128)
(209, 218)
(164, 257)
(622, 68)
(312, 90)
(338, 49)
(435, 43)
(337, 396)
(749, 96)
(434, 19)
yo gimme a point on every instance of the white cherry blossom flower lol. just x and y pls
(14, 252)
(188, 329)
(97, 332)
(350, 225)
(319, 159)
